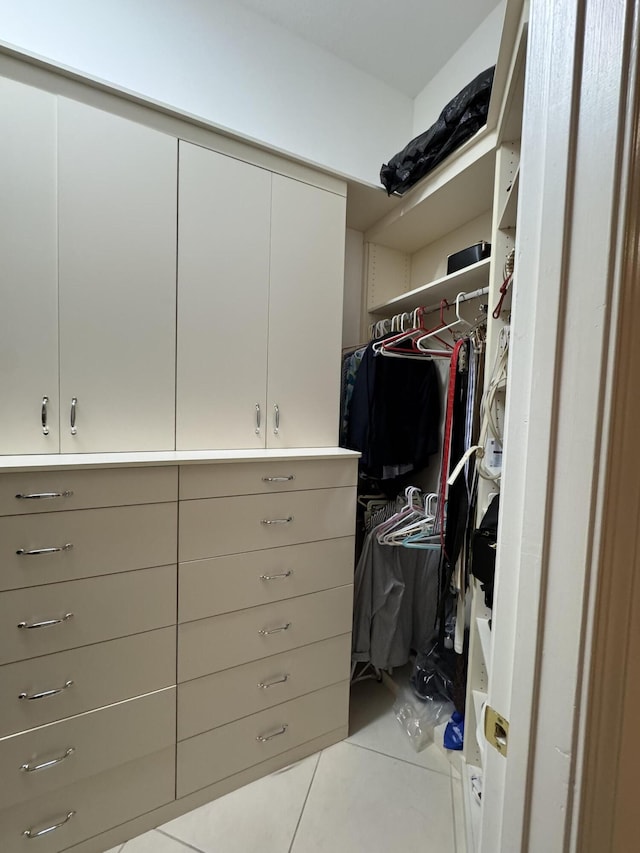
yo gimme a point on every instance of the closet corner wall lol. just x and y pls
(472, 196)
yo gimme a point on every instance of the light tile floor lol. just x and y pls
(369, 794)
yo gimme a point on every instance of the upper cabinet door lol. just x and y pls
(223, 291)
(29, 278)
(305, 314)
(117, 281)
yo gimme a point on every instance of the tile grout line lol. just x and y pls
(396, 758)
(295, 831)
(179, 840)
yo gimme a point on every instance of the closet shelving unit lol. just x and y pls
(473, 196)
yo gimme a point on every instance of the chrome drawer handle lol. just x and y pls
(279, 630)
(42, 496)
(46, 693)
(35, 551)
(276, 419)
(264, 685)
(267, 521)
(257, 418)
(279, 479)
(275, 577)
(265, 738)
(30, 833)
(46, 624)
(43, 416)
(33, 768)
(72, 417)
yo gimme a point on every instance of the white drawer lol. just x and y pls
(102, 540)
(210, 645)
(90, 806)
(102, 609)
(255, 478)
(223, 584)
(100, 674)
(217, 526)
(60, 490)
(215, 700)
(53, 756)
(209, 757)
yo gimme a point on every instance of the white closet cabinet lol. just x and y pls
(28, 248)
(117, 198)
(260, 281)
(305, 314)
(223, 296)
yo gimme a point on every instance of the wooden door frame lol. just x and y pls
(561, 458)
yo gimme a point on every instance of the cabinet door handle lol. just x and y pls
(258, 418)
(33, 768)
(265, 738)
(268, 521)
(276, 419)
(286, 574)
(47, 623)
(31, 833)
(265, 633)
(35, 551)
(43, 416)
(279, 479)
(264, 685)
(74, 403)
(44, 496)
(44, 694)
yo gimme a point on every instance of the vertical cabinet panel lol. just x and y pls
(29, 288)
(305, 314)
(223, 291)
(117, 287)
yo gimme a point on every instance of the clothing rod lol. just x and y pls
(481, 291)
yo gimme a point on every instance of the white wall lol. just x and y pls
(226, 64)
(353, 272)
(480, 51)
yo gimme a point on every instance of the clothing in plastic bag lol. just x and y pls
(463, 116)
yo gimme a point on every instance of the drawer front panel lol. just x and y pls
(108, 487)
(215, 700)
(85, 745)
(211, 645)
(104, 541)
(217, 526)
(100, 674)
(102, 609)
(256, 478)
(97, 804)
(207, 758)
(223, 584)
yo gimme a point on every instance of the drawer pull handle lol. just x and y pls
(72, 416)
(33, 768)
(275, 577)
(46, 693)
(35, 551)
(268, 521)
(30, 833)
(43, 416)
(279, 479)
(258, 418)
(264, 685)
(265, 633)
(276, 419)
(44, 496)
(281, 731)
(47, 623)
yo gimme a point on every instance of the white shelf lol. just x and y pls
(457, 191)
(509, 211)
(479, 698)
(468, 279)
(484, 632)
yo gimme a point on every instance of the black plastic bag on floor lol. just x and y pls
(463, 116)
(433, 675)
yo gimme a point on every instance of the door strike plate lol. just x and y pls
(496, 730)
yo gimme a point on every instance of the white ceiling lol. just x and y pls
(401, 42)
